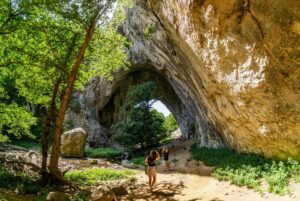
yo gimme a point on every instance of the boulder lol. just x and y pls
(127, 163)
(73, 142)
(57, 196)
(176, 134)
(103, 193)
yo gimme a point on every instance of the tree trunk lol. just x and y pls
(64, 103)
(47, 130)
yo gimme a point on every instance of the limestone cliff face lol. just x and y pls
(233, 69)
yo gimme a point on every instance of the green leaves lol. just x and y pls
(39, 43)
(170, 124)
(15, 121)
(248, 169)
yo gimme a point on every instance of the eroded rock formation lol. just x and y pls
(228, 70)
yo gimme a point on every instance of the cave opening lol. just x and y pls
(167, 103)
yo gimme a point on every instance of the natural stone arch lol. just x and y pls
(102, 101)
(234, 65)
(112, 112)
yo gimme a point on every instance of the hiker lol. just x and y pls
(151, 171)
(165, 153)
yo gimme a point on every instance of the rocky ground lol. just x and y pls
(187, 181)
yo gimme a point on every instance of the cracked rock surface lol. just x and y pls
(232, 68)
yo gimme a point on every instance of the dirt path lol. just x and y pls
(189, 181)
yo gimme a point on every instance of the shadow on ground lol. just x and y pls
(163, 191)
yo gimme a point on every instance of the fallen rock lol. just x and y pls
(119, 190)
(73, 142)
(103, 193)
(57, 196)
(127, 163)
(94, 162)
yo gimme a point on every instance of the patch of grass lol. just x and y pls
(244, 169)
(92, 176)
(27, 144)
(107, 152)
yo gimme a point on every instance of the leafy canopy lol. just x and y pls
(39, 42)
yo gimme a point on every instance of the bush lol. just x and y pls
(92, 176)
(107, 152)
(243, 169)
(149, 31)
(138, 161)
(170, 124)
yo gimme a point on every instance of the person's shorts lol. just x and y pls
(151, 171)
(166, 163)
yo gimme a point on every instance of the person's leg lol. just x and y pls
(150, 181)
(154, 177)
(167, 165)
(149, 176)
(153, 180)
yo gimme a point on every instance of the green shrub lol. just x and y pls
(138, 160)
(149, 31)
(92, 176)
(107, 152)
(248, 169)
(170, 124)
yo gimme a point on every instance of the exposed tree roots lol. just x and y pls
(50, 178)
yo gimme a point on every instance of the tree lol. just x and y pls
(57, 48)
(94, 13)
(15, 121)
(143, 125)
(170, 124)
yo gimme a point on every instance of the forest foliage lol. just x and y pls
(39, 42)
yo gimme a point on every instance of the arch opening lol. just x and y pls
(167, 101)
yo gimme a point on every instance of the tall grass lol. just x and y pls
(249, 169)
